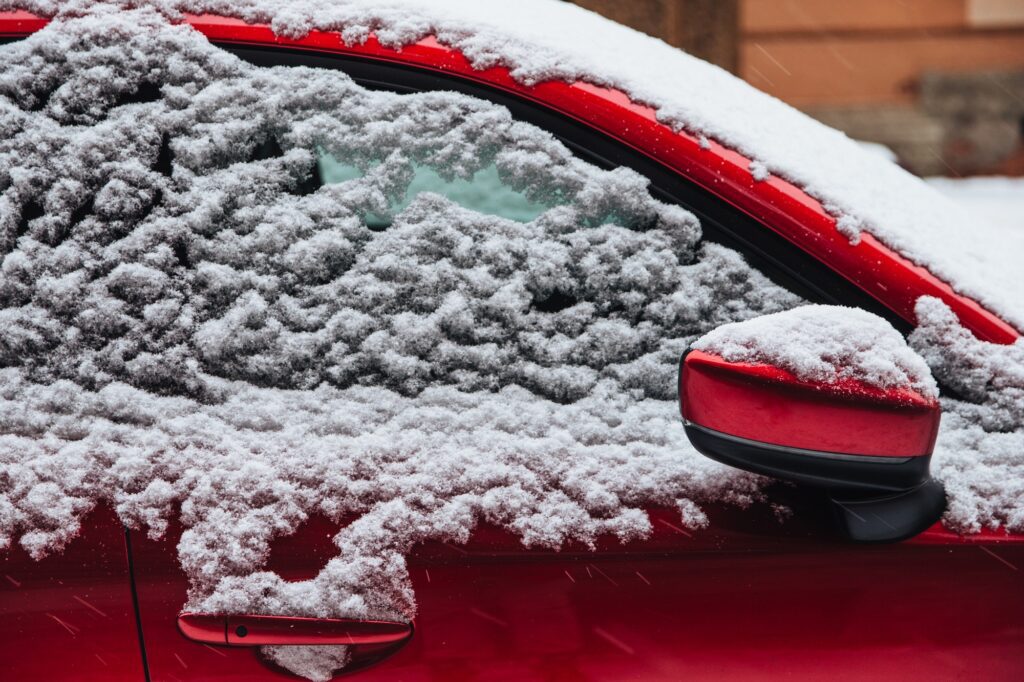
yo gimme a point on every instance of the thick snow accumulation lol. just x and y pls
(825, 343)
(979, 455)
(191, 324)
(549, 39)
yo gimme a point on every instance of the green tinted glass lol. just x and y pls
(484, 193)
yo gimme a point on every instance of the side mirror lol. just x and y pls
(869, 447)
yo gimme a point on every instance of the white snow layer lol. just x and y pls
(190, 325)
(553, 40)
(999, 200)
(825, 343)
(979, 455)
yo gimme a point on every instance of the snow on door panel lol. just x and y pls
(729, 602)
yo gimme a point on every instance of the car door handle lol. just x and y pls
(249, 630)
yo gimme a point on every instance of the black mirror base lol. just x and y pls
(861, 475)
(875, 499)
(892, 517)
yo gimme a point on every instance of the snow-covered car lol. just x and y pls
(352, 339)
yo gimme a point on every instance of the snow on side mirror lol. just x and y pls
(824, 405)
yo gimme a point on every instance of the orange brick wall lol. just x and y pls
(941, 82)
(832, 52)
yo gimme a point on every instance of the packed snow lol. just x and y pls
(979, 456)
(542, 40)
(190, 324)
(824, 344)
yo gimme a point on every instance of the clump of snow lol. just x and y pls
(692, 515)
(825, 343)
(781, 512)
(191, 325)
(849, 227)
(542, 40)
(979, 455)
(316, 663)
(759, 171)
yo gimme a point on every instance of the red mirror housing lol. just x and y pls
(864, 444)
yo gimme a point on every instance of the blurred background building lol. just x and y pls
(940, 82)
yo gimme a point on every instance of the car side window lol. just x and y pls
(484, 193)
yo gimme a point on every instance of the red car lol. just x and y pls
(747, 597)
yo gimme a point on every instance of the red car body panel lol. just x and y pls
(746, 598)
(729, 603)
(71, 615)
(768, 404)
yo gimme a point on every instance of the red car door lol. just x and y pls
(71, 615)
(748, 598)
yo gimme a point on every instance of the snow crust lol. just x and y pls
(825, 343)
(190, 326)
(548, 39)
(316, 663)
(979, 455)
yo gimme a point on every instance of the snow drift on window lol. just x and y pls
(540, 40)
(191, 322)
(979, 455)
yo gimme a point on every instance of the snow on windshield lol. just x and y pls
(190, 322)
